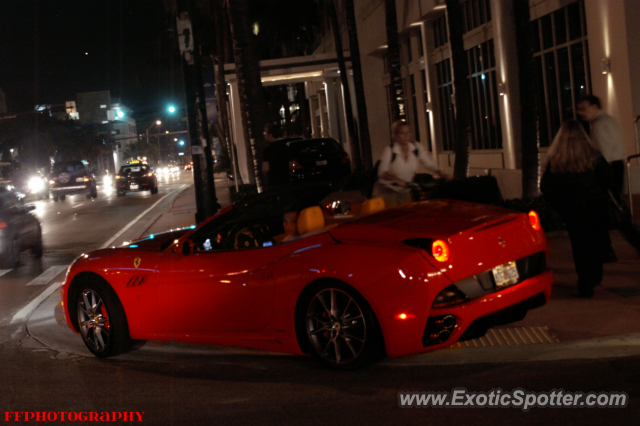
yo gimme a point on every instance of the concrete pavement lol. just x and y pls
(567, 327)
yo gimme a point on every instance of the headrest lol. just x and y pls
(371, 206)
(310, 219)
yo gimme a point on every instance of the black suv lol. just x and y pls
(136, 177)
(71, 177)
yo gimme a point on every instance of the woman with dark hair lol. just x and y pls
(576, 183)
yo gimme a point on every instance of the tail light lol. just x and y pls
(440, 251)
(86, 179)
(118, 177)
(534, 220)
(449, 296)
(345, 159)
(3, 225)
(150, 174)
(52, 181)
(295, 165)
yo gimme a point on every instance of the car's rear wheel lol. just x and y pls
(62, 197)
(94, 192)
(37, 248)
(339, 327)
(13, 258)
(55, 198)
(101, 319)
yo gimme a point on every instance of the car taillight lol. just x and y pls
(3, 225)
(86, 179)
(294, 165)
(52, 181)
(440, 251)
(118, 177)
(451, 295)
(534, 220)
(150, 174)
(345, 159)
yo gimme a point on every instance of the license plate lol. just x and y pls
(79, 179)
(134, 186)
(505, 275)
(321, 163)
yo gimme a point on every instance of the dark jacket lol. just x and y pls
(579, 196)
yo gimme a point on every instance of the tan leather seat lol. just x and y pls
(371, 206)
(310, 219)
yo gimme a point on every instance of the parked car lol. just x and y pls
(19, 229)
(293, 160)
(357, 283)
(70, 178)
(134, 177)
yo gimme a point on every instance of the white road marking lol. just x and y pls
(4, 271)
(27, 310)
(48, 275)
(77, 206)
(130, 224)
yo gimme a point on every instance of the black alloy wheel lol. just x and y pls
(340, 328)
(101, 319)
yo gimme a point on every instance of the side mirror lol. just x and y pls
(187, 248)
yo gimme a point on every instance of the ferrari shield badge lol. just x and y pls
(136, 262)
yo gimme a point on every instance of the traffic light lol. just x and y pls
(181, 142)
(171, 109)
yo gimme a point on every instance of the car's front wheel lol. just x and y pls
(339, 327)
(101, 320)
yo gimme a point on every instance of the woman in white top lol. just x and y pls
(398, 166)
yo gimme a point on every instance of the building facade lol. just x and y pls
(580, 47)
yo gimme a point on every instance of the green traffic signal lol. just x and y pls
(171, 109)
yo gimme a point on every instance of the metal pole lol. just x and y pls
(629, 158)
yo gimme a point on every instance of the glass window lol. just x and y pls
(562, 70)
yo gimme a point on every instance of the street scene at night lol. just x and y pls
(319, 212)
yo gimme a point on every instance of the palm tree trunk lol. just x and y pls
(528, 100)
(393, 58)
(344, 78)
(462, 93)
(363, 121)
(252, 99)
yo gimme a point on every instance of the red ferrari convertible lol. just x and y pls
(356, 284)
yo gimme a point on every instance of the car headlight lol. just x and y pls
(36, 184)
(106, 180)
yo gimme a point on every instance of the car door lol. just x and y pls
(221, 286)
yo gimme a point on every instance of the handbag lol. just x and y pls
(619, 213)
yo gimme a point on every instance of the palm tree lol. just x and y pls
(528, 100)
(252, 99)
(393, 59)
(363, 121)
(355, 146)
(462, 93)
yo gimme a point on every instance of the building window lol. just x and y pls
(475, 13)
(445, 91)
(562, 67)
(440, 33)
(487, 133)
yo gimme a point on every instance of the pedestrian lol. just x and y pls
(576, 182)
(398, 166)
(606, 137)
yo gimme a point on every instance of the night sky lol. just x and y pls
(52, 49)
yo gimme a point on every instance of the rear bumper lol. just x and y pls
(70, 190)
(406, 337)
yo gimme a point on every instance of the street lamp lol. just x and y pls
(154, 124)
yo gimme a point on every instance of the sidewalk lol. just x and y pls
(605, 326)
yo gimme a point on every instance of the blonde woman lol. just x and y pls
(575, 183)
(399, 164)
